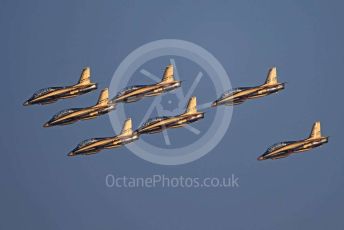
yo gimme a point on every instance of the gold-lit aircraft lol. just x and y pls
(72, 115)
(52, 94)
(95, 145)
(284, 149)
(137, 92)
(160, 123)
(239, 95)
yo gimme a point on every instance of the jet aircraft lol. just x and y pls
(137, 92)
(72, 115)
(284, 149)
(52, 94)
(94, 145)
(239, 95)
(160, 123)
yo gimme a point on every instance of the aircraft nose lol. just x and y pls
(214, 104)
(71, 154)
(260, 158)
(46, 125)
(26, 103)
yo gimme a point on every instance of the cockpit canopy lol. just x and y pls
(45, 90)
(86, 142)
(128, 89)
(154, 119)
(63, 112)
(233, 91)
(278, 145)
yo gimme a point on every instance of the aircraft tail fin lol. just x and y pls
(272, 76)
(127, 128)
(192, 105)
(103, 97)
(168, 74)
(316, 130)
(85, 77)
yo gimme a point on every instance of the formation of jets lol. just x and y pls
(154, 125)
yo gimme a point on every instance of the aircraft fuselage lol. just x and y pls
(294, 147)
(80, 114)
(249, 93)
(103, 143)
(171, 122)
(132, 95)
(61, 93)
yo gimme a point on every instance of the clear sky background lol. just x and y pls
(46, 43)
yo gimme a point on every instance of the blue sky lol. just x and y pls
(47, 43)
